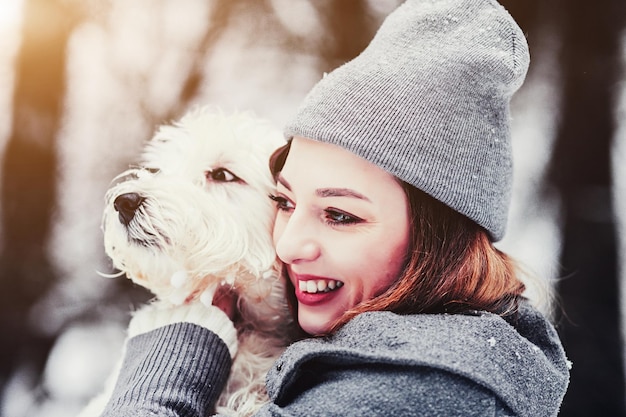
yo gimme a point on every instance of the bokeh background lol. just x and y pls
(83, 84)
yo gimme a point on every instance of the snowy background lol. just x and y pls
(126, 65)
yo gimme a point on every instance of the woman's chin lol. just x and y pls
(314, 324)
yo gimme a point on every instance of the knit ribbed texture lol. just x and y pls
(182, 380)
(428, 101)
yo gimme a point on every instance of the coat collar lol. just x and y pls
(525, 365)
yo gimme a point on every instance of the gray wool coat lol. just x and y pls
(379, 364)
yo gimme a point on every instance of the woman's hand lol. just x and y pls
(216, 318)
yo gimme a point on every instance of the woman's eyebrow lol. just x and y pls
(327, 192)
(340, 192)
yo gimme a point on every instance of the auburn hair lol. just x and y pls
(452, 265)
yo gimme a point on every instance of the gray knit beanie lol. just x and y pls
(428, 101)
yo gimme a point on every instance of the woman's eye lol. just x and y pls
(221, 175)
(281, 202)
(337, 217)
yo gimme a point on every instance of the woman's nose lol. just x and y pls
(295, 240)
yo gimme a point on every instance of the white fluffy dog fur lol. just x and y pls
(195, 215)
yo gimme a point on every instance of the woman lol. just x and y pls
(392, 188)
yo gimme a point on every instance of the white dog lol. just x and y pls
(195, 215)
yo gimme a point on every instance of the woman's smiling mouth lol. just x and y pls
(313, 286)
(313, 290)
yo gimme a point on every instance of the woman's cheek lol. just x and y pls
(279, 226)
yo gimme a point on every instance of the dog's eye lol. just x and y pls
(221, 175)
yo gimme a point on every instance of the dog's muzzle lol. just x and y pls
(127, 205)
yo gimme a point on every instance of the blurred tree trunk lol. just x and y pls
(349, 27)
(28, 177)
(581, 175)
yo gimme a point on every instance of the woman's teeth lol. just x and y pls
(313, 286)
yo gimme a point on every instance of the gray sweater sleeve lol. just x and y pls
(180, 378)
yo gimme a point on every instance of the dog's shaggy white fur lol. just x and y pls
(195, 215)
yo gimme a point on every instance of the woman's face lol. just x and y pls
(342, 230)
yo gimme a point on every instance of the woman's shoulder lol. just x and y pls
(435, 337)
(521, 360)
(425, 336)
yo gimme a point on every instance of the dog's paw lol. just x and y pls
(161, 314)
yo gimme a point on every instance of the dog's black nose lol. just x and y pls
(126, 205)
